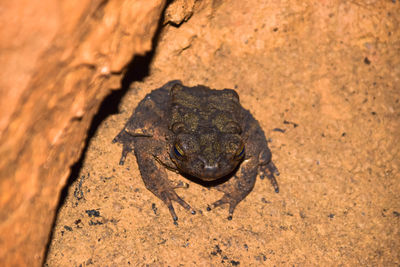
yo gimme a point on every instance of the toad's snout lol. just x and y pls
(210, 170)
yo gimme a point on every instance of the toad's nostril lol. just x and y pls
(201, 163)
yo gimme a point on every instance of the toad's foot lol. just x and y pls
(168, 196)
(237, 187)
(270, 171)
(226, 199)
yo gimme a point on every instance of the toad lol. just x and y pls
(201, 133)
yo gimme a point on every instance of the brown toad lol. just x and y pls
(202, 133)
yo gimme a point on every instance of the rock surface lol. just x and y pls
(58, 60)
(322, 78)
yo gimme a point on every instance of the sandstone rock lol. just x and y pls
(58, 60)
(327, 74)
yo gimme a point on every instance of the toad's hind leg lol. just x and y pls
(238, 187)
(268, 168)
(155, 179)
(127, 144)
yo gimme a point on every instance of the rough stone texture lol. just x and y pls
(58, 60)
(325, 72)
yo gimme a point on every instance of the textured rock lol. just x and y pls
(323, 80)
(58, 61)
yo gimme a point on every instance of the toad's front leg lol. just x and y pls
(156, 180)
(239, 186)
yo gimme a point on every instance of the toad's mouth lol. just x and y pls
(209, 178)
(210, 173)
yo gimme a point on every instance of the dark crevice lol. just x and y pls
(177, 25)
(137, 70)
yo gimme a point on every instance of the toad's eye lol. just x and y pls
(178, 151)
(240, 153)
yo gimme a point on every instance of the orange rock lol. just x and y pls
(57, 62)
